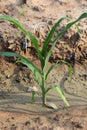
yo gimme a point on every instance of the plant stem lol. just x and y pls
(43, 91)
(43, 98)
(33, 96)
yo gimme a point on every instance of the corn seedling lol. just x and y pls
(44, 54)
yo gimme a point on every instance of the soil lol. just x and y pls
(17, 111)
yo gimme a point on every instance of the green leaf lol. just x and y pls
(46, 60)
(44, 67)
(59, 35)
(23, 60)
(46, 54)
(33, 97)
(49, 37)
(49, 70)
(30, 36)
(61, 62)
(38, 78)
(48, 89)
(60, 91)
(84, 15)
(70, 67)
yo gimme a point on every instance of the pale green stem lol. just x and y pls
(43, 91)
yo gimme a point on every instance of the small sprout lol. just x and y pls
(41, 73)
(33, 90)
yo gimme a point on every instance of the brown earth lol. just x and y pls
(17, 112)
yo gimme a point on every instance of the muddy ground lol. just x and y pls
(17, 112)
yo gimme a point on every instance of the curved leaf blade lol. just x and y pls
(60, 91)
(59, 35)
(49, 70)
(23, 60)
(47, 41)
(19, 25)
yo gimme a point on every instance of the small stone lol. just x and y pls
(51, 105)
(32, 89)
(36, 8)
(11, 46)
(18, 80)
(7, 76)
(50, 22)
(6, 11)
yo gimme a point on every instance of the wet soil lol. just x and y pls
(17, 111)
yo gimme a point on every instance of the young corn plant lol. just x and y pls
(41, 74)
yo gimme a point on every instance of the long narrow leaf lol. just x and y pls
(37, 73)
(59, 90)
(48, 39)
(59, 35)
(46, 61)
(47, 57)
(19, 25)
(61, 62)
(38, 78)
(49, 70)
(23, 60)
